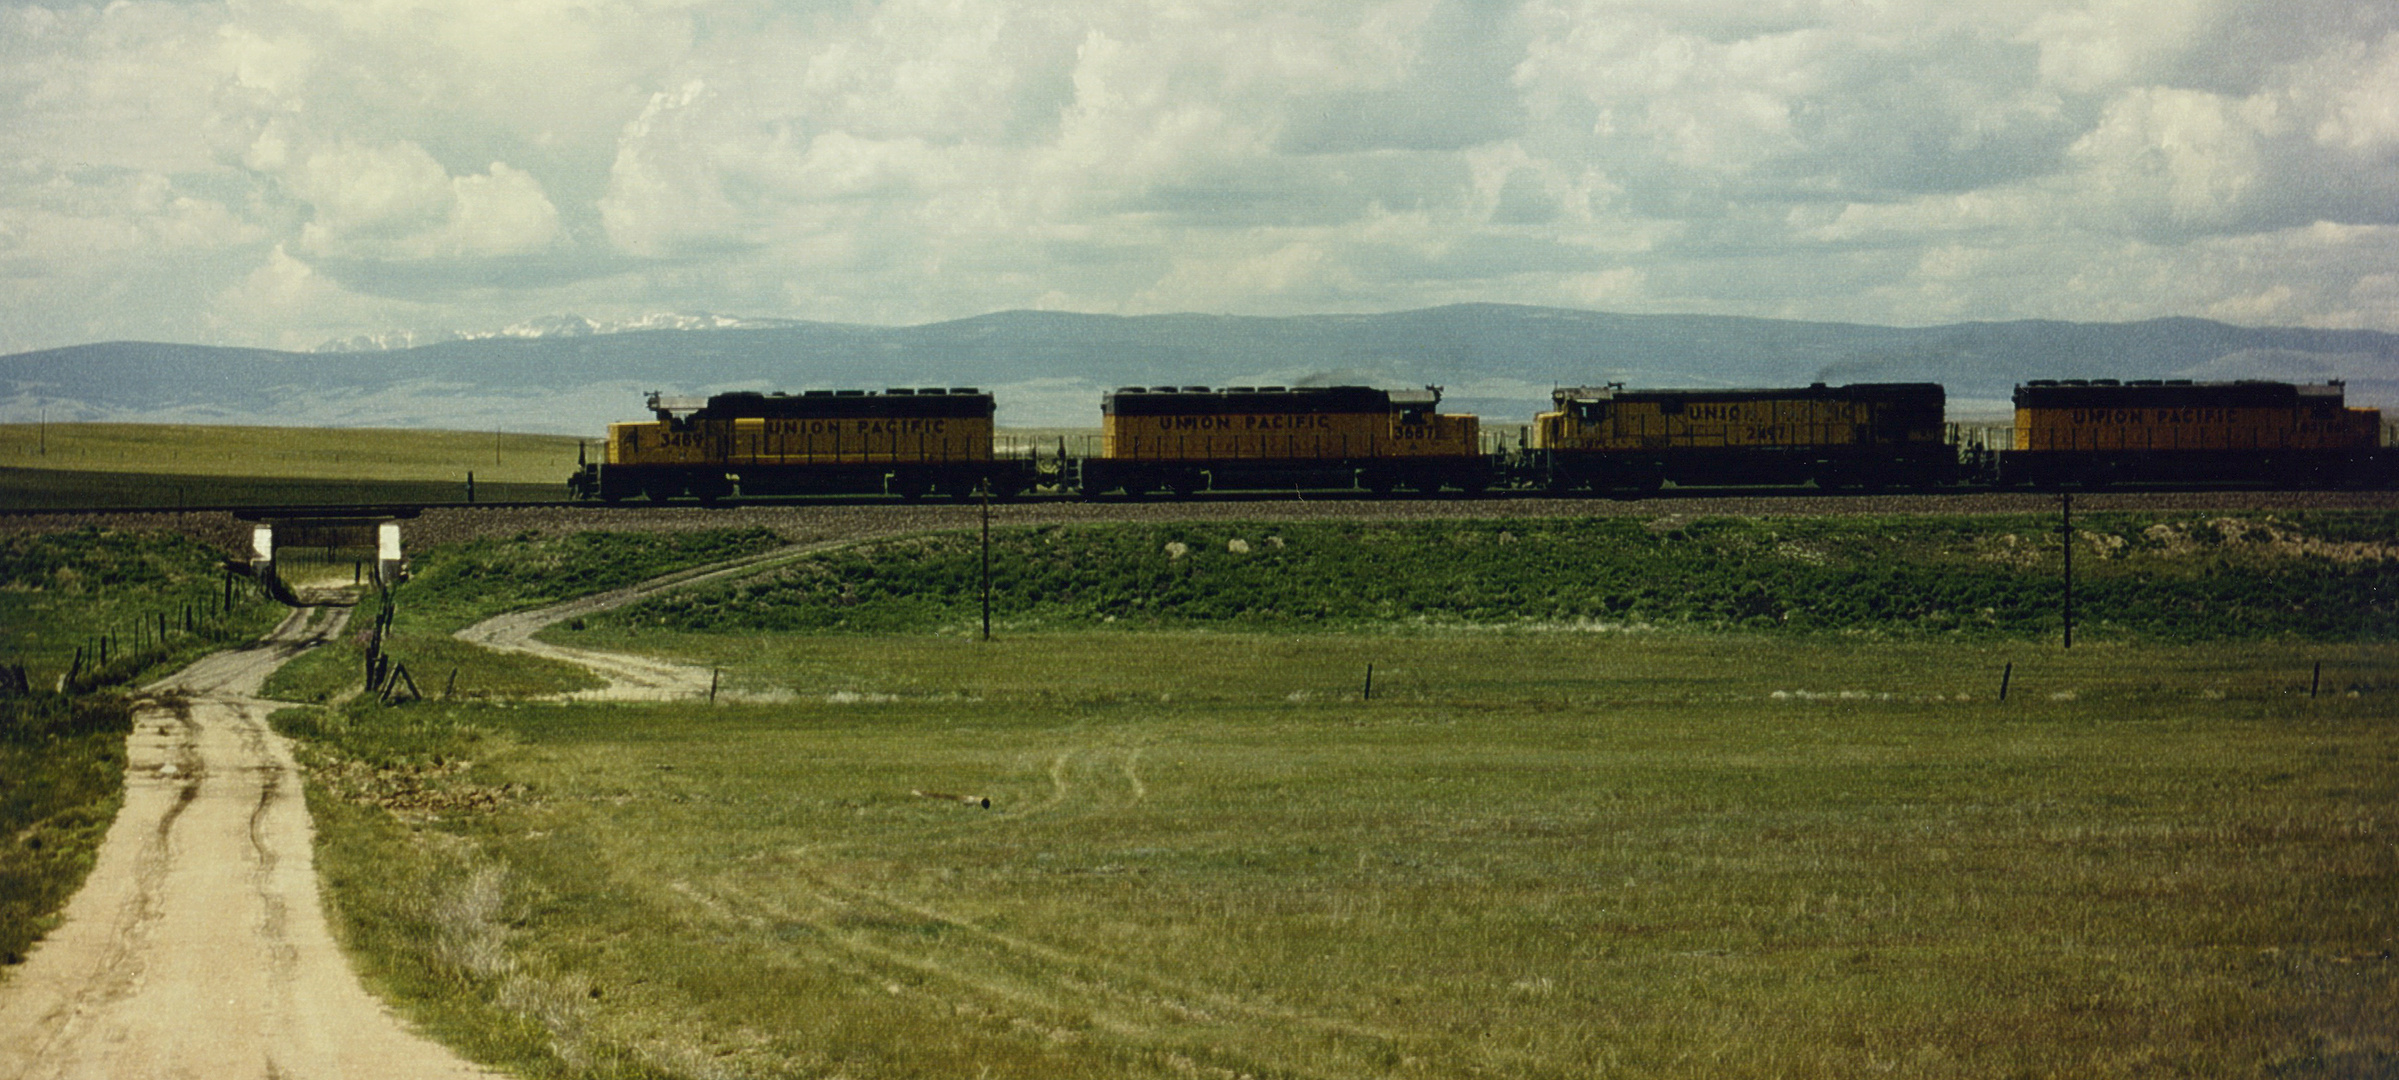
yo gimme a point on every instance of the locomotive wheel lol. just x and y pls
(661, 492)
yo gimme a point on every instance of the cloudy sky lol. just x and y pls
(282, 172)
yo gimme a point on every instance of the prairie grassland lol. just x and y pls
(67, 466)
(290, 453)
(1649, 854)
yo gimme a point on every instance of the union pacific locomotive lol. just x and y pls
(1864, 434)
(901, 442)
(2102, 431)
(1595, 438)
(1194, 438)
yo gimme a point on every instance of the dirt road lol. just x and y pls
(197, 947)
(629, 677)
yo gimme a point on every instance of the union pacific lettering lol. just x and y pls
(1734, 412)
(2152, 416)
(1300, 422)
(857, 427)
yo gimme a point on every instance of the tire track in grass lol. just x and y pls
(1141, 791)
(1136, 1004)
(1063, 787)
(1052, 992)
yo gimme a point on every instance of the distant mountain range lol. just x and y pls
(569, 375)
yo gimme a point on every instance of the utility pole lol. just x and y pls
(2065, 505)
(986, 490)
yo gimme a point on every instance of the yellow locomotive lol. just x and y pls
(2098, 431)
(1193, 438)
(1862, 434)
(906, 442)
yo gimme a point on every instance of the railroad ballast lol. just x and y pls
(1606, 439)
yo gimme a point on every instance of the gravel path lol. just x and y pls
(198, 947)
(630, 677)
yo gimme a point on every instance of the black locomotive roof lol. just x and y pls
(931, 402)
(1923, 393)
(2170, 394)
(1202, 401)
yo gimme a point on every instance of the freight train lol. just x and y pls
(1602, 439)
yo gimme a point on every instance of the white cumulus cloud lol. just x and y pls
(422, 164)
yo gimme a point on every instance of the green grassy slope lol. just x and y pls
(2176, 576)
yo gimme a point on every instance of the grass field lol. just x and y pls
(291, 453)
(1204, 855)
(1687, 850)
(169, 465)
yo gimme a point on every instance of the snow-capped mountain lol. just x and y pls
(550, 326)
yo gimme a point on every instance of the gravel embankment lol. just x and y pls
(801, 523)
